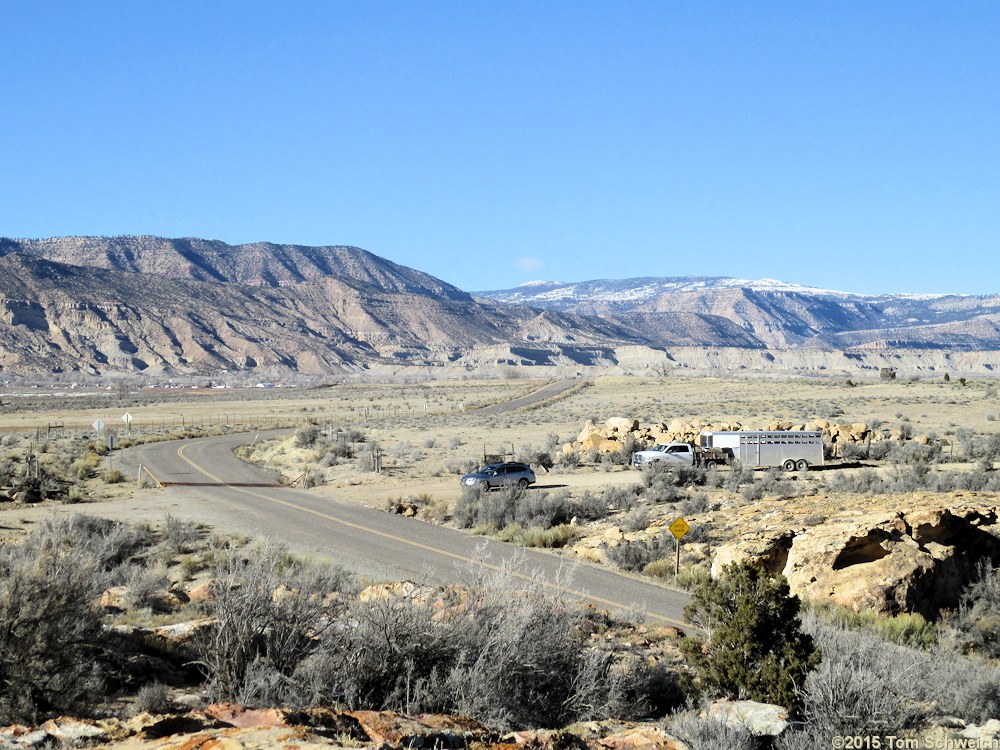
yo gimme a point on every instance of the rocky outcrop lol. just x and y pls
(617, 432)
(232, 726)
(890, 562)
(444, 602)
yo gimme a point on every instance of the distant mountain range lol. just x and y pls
(778, 315)
(98, 305)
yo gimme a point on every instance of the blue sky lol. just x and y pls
(847, 145)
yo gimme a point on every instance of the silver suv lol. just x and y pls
(500, 475)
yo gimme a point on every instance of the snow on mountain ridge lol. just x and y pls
(538, 282)
(639, 289)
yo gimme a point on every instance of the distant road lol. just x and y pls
(205, 479)
(550, 390)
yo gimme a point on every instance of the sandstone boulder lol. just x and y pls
(759, 719)
(420, 730)
(183, 632)
(200, 592)
(625, 735)
(68, 731)
(621, 425)
(887, 561)
(114, 598)
(590, 429)
(592, 442)
(236, 715)
(609, 445)
(679, 426)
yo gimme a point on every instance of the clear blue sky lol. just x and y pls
(848, 145)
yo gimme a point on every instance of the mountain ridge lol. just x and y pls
(173, 306)
(256, 264)
(778, 314)
(59, 317)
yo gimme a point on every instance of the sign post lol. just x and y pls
(98, 425)
(127, 419)
(678, 528)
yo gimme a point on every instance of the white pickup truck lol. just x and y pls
(788, 449)
(677, 453)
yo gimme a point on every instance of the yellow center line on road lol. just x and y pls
(425, 547)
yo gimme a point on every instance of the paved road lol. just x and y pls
(383, 546)
(547, 391)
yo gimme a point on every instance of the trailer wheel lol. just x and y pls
(789, 465)
(803, 465)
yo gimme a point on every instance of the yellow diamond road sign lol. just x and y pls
(679, 528)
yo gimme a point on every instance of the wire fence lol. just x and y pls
(223, 421)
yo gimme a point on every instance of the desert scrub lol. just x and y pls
(85, 466)
(567, 460)
(516, 658)
(74, 495)
(634, 556)
(974, 627)
(50, 635)
(434, 509)
(692, 576)
(306, 436)
(621, 498)
(701, 732)
(179, 535)
(52, 644)
(905, 629)
(637, 519)
(662, 568)
(679, 475)
(915, 477)
(535, 536)
(866, 684)
(525, 508)
(771, 484)
(8, 471)
(153, 697)
(536, 457)
(262, 636)
(113, 476)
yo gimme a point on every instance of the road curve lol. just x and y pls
(380, 545)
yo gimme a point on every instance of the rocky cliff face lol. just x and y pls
(68, 318)
(889, 561)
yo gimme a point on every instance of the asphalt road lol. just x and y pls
(547, 391)
(206, 474)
